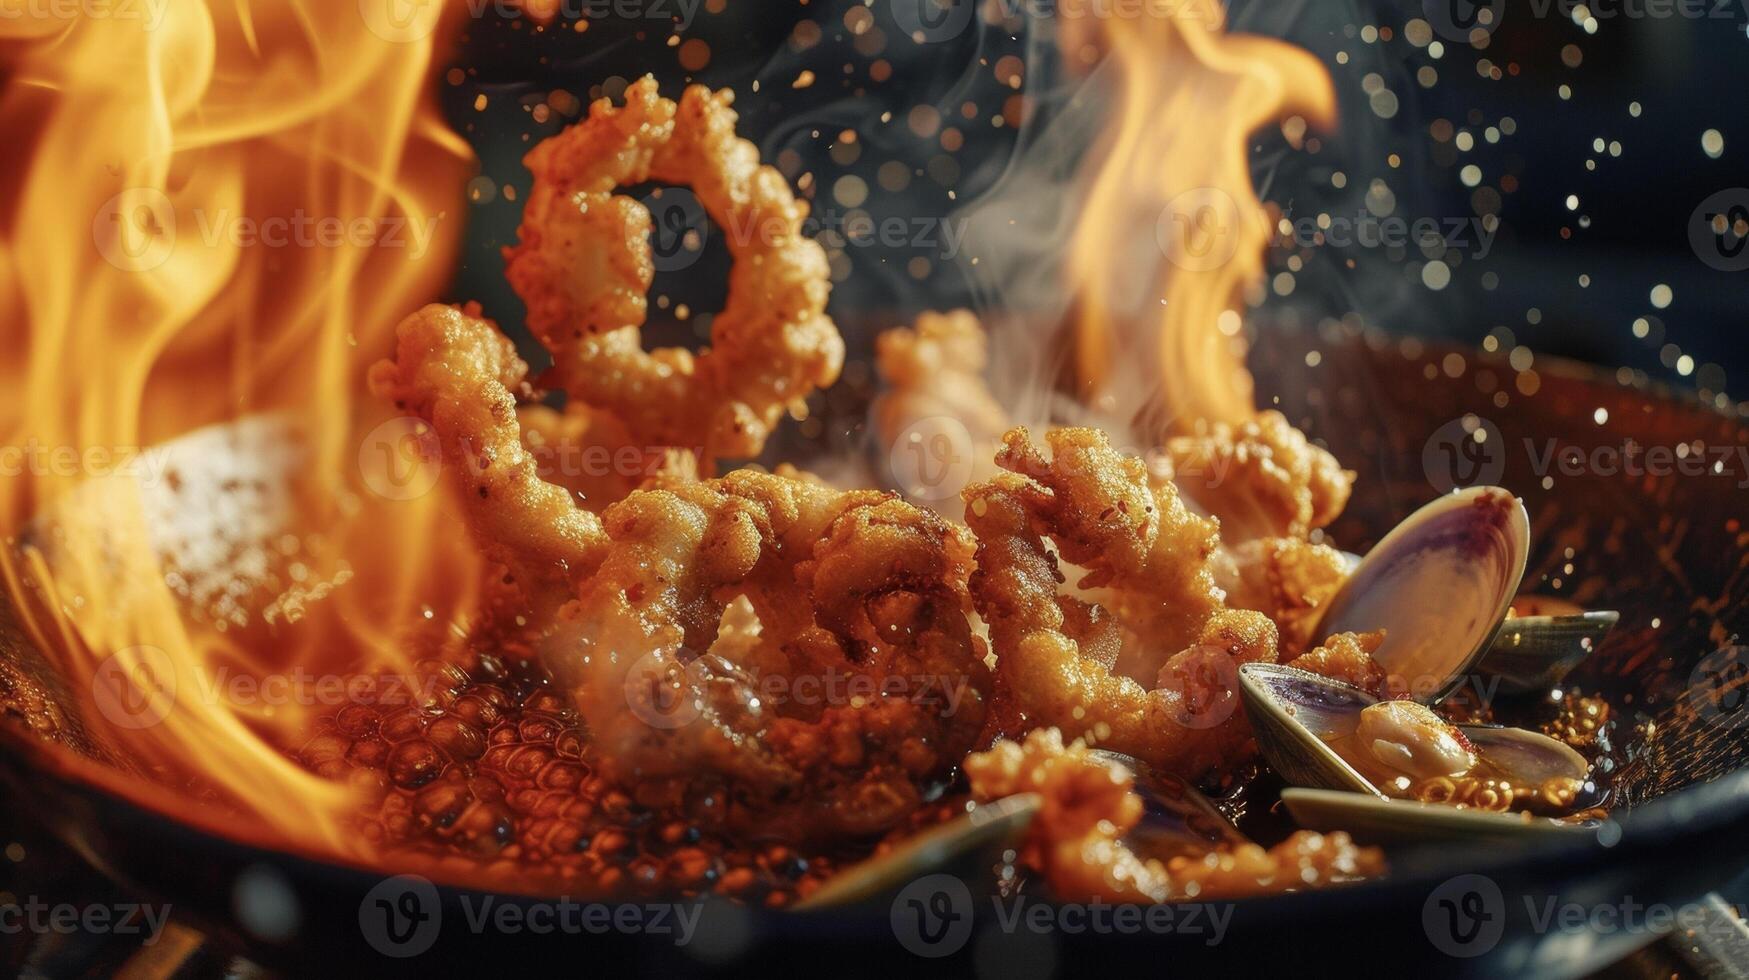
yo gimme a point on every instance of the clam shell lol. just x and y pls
(960, 843)
(1177, 818)
(1535, 653)
(1440, 585)
(1384, 821)
(1293, 712)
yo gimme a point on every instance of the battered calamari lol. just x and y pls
(1077, 840)
(1263, 479)
(583, 266)
(1157, 681)
(854, 592)
(857, 592)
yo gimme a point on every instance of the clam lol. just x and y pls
(1177, 819)
(974, 838)
(1323, 734)
(1443, 586)
(1439, 585)
(1541, 642)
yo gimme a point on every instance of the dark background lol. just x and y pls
(1629, 232)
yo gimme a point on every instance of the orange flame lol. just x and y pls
(218, 210)
(1174, 169)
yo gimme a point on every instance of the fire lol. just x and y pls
(218, 211)
(1174, 170)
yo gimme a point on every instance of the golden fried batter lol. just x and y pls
(583, 266)
(857, 586)
(1077, 840)
(1150, 556)
(1263, 479)
(937, 400)
(458, 372)
(1347, 657)
(1288, 579)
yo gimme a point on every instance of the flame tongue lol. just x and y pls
(1173, 169)
(268, 192)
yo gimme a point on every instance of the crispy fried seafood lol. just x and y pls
(937, 410)
(583, 266)
(1263, 479)
(1151, 561)
(856, 592)
(1077, 841)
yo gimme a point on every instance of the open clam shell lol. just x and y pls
(961, 843)
(1385, 821)
(1538, 649)
(1177, 819)
(1439, 585)
(1308, 729)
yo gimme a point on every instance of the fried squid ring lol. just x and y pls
(583, 266)
(856, 593)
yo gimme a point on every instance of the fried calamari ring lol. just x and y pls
(1263, 479)
(583, 266)
(857, 586)
(457, 372)
(1077, 840)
